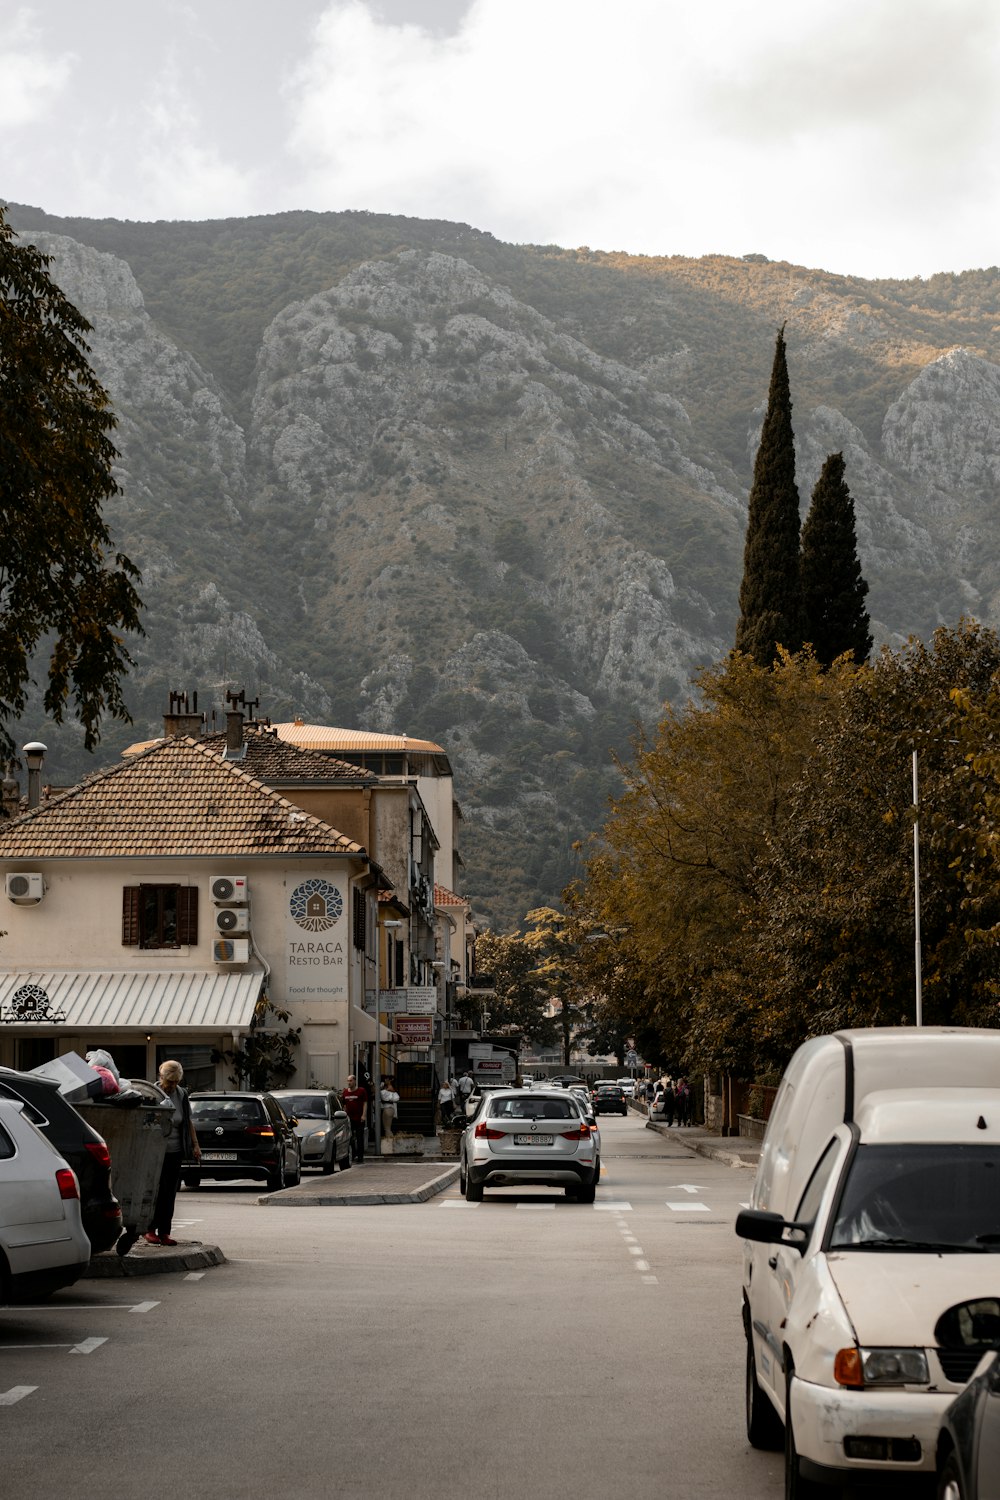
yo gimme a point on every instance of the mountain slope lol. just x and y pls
(395, 473)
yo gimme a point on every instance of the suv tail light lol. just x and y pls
(67, 1184)
(582, 1133)
(99, 1151)
(482, 1132)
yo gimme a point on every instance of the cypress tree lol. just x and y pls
(833, 591)
(770, 593)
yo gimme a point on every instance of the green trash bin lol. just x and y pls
(136, 1138)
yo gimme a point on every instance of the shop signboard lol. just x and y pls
(415, 1031)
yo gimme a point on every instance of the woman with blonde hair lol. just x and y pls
(182, 1134)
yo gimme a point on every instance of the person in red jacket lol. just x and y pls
(355, 1098)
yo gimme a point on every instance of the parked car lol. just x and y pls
(968, 1451)
(243, 1135)
(43, 1244)
(530, 1136)
(323, 1128)
(627, 1086)
(610, 1100)
(81, 1146)
(873, 1209)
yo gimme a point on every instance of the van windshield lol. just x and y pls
(941, 1198)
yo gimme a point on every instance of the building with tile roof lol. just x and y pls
(151, 909)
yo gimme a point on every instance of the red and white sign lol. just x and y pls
(416, 1031)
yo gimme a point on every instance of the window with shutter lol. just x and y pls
(159, 916)
(358, 911)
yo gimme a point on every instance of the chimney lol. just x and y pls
(34, 754)
(234, 733)
(183, 717)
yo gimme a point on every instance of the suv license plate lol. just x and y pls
(533, 1140)
(218, 1156)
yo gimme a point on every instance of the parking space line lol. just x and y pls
(87, 1346)
(142, 1307)
(194, 1276)
(688, 1208)
(16, 1393)
(614, 1208)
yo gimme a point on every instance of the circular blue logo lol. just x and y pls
(316, 905)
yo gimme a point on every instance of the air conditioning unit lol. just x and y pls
(231, 950)
(230, 890)
(232, 919)
(24, 890)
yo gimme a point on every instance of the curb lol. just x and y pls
(708, 1149)
(154, 1261)
(348, 1200)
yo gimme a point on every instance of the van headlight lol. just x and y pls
(881, 1367)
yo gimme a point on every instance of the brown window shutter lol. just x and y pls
(187, 914)
(130, 916)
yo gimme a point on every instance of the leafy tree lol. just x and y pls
(556, 940)
(57, 587)
(681, 861)
(770, 593)
(830, 942)
(264, 1058)
(518, 1003)
(833, 591)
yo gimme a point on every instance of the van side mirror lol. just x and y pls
(770, 1229)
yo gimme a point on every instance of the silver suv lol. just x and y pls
(530, 1136)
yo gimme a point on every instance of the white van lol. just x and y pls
(875, 1210)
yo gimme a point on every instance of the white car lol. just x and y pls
(875, 1210)
(43, 1245)
(531, 1136)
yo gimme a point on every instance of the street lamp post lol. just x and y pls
(918, 978)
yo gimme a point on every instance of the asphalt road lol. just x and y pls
(526, 1346)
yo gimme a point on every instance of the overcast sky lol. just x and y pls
(860, 136)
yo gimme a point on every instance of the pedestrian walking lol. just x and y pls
(182, 1141)
(355, 1099)
(669, 1102)
(390, 1107)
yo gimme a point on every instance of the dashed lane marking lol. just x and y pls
(688, 1208)
(142, 1307)
(641, 1265)
(194, 1276)
(614, 1208)
(15, 1394)
(684, 1187)
(87, 1346)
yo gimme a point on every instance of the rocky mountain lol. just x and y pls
(393, 473)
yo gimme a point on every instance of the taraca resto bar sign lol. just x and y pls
(316, 940)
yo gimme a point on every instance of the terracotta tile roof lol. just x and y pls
(323, 737)
(176, 798)
(444, 897)
(271, 760)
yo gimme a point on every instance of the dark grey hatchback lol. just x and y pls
(243, 1135)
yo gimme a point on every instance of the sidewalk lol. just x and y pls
(378, 1179)
(734, 1150)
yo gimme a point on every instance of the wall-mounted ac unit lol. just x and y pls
(232, 919)
(230, 890)
(231, 950)
(24, 890)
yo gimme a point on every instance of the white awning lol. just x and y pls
(174, 1000)
(364, 1028)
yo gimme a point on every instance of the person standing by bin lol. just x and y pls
(355, 1098)
(182, 1139)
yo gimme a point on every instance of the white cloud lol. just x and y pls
(30, 78)
(822, 133)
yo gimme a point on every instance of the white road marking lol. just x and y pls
(651, 1280)
(145, 1306)
(641, 1265)
(88, 1346)
(685, 1187)
(744, 1205)
(194, 1276)
(458, 1203)
(635, 1249)
(689, 1208)
(536, 1206)
(16, 1393)
(618, 1208)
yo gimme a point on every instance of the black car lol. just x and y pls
(243, 1135)
(609, 1099)
(81, 1146)
(969, 1444)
